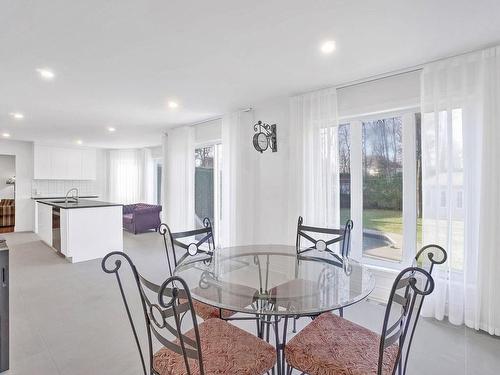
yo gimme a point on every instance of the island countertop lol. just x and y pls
(82, 203)
(53, 198)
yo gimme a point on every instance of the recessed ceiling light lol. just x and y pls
(171, 104)
(46, 74)
(5, 135)
(328, 47)
(111, 129)
(16, 115)
(79, 142)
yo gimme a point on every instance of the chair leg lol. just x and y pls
(341, 312)
(268, 328)
(278, 351)
(289, 369)
(294, 330)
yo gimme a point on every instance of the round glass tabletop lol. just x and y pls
(274, 280)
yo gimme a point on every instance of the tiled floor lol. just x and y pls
(69, 318)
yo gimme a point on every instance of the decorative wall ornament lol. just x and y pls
(265, 137)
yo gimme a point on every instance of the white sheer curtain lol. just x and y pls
(238, 179)
(314, 172)
(179, 178)
(461, 175)
(164, 179)
(148, 189)
(125, 176)
(131, 176)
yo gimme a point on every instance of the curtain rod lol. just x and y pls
(378, 77)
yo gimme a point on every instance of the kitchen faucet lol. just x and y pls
(75, 197)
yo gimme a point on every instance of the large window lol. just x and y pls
(382, 160)
(380, 185)
(207, 185)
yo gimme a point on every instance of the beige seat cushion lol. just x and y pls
(331, 345)
(226, 349)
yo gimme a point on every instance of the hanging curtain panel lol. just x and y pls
(314, 177)
(148, 189)
(179, 178)
(131, 176)
(164, 177)
(238, 179)
(125, 176)
(460, 164)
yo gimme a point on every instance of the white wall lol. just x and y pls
(272, 169)
(23, 152)
(7, 170)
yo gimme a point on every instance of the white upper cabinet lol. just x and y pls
(89, 164)
(64, 163)
(42, 162)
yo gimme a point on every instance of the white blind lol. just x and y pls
(207, 132)
(385, 94)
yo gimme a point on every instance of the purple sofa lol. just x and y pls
(141, 217)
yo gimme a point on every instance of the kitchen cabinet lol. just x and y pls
(85, 230)
(44, 227)
(64, 163)
(88, 163)
(42, 162)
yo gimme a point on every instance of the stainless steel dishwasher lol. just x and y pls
(56, 228)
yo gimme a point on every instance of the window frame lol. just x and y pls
(409, 186)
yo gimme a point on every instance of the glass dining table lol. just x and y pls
(272, 283)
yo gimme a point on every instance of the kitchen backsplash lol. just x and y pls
(58, 188)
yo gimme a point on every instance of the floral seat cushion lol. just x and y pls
(226, 350)
(206, 312)
(331, 345)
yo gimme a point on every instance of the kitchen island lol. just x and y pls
(80, 229)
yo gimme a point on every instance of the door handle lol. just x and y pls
(4, 281)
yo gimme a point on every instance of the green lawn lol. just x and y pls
(386, 221)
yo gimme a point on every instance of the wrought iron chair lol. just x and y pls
(213, 347)
(427, 258)
(333, 345)
(342, 236)
(173, 240)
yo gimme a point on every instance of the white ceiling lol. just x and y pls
(118, 61)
